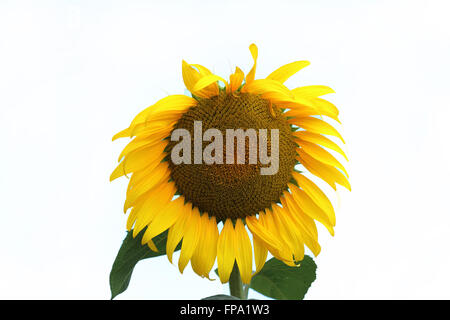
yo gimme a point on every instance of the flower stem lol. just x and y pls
(235, 283)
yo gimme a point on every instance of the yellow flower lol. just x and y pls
(191, 200)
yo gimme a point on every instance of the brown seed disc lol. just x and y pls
(233, 190)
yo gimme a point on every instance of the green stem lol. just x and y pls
(236, 287)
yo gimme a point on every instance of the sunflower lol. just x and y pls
(194, 201)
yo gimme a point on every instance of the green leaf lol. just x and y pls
(279, 281)
(221, 297)
(130, 253)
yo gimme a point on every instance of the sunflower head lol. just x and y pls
(228, 158)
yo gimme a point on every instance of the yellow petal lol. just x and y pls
(205, 254)
(156, 201)
(312, 91)
(206, 81)
(176, 231)
(288, 233)
(235, 80)
(305, 222)
(285, 72)
(283, 252)
(278, 99)
(212, 89)
(170, 105)
(137, 196)
(301, 106)
(202, 70)
(243, 252)
(326, 108)
(158, 175)
(131, 219)
(162, 112)
(319, 139)
(190, 76)
(165, 219)
(190, 239)
(143, 128)
(197, 257)
(251, 75)
(304, 107)
(266, 86)
(152, 246)
(310, 208)
(260, 251)
(139, 159)
(141, 175)
(317, 195)
(267, 236)
(295, 219)
(226, 251)
(321, 155)
(140, 143)
(327, 173)
(316, 126)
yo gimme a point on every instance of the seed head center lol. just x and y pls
(234, 190)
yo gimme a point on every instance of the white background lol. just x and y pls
(73, 73)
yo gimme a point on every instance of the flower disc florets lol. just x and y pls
(234, 190)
